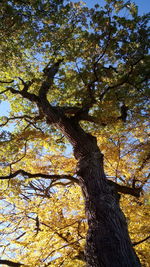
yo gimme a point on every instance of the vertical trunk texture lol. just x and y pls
(108, 243)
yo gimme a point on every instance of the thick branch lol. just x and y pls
(49, 73)
(79, 113)
(7, 81)
(6, 90)
(125, 189)
(26, 85)
(11, 263)
(86, 117)
(25, 94)
(70, 110)
(35, 175)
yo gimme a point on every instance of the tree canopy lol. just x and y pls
(92, 67)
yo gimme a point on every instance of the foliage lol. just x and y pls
(103, 82)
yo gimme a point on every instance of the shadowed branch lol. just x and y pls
(11, 263)
(35, 175)
(141, 241)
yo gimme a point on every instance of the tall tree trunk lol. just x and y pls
(108, 243)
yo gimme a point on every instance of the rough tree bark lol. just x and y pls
(108, 242)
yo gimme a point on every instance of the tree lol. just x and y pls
(73, 76)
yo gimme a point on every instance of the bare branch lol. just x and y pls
(26, 84)
(30, 123)
(80, 256)
(7, 81)
(61, 183)
(35, 175)
(16, 118)
(24, 154)
(89, 118)
(25, 94)
(6, 90)
(11, 263)
(141, 241)
(20, 236)
(125, 189)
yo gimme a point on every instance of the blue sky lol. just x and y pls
(144, 5)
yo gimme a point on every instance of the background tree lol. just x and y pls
(74, 76)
